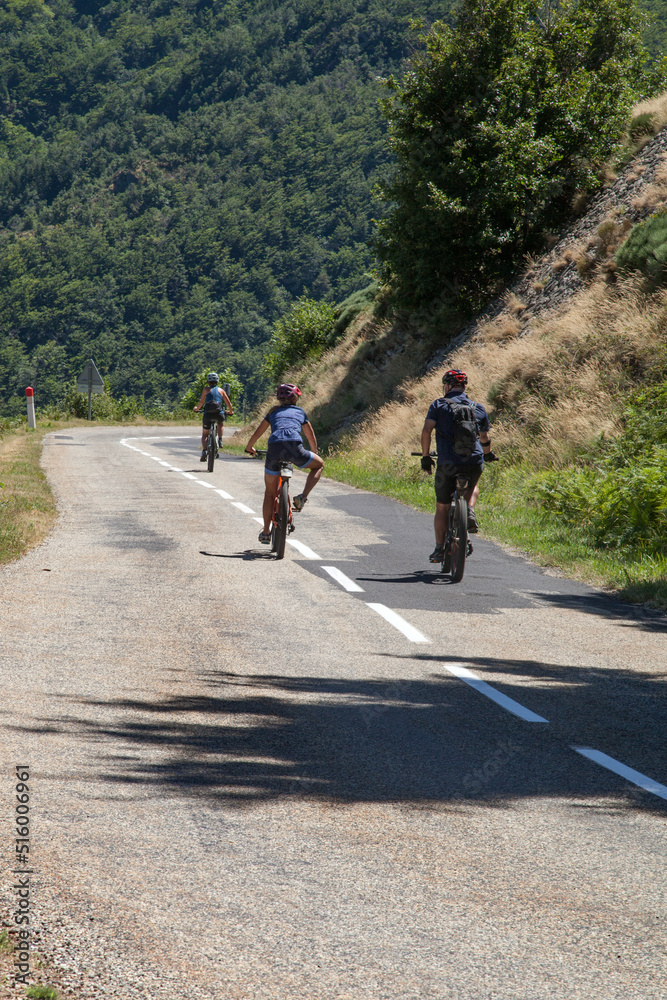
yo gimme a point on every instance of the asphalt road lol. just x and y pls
(337, 776)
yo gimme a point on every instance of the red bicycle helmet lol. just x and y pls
(286, 391)
(455, 377)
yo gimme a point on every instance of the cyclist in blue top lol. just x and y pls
(215, 401)
(286, 421)
(440, 418)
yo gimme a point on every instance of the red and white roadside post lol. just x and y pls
(30, 399)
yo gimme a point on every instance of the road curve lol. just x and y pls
(334, 777)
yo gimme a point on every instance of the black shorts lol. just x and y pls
(445, 479)
(216, 417)
(286, 451)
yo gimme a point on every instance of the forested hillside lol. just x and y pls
(174, 174)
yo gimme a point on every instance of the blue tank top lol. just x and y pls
(214, 400)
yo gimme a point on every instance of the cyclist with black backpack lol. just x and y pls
(463, 445)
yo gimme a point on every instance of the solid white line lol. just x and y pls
(636, 777)
(188, 475)
(462, 672)
(242, 506)
(303, 549)
(408, 630)
(225, 496)
(343, 580)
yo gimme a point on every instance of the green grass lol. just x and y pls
(42, 993)
(27, 507)
(507, 516)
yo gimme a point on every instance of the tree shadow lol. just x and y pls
(432, 742)
(594, 603)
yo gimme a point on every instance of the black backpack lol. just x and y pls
(466, 428)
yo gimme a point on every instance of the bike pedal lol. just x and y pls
(292, 528)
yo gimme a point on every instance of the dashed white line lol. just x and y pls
(242, 506)
(188, 475)
(225, 496)
(636, 777)
(408, 630)
(260, 520)
(303, 549)
(201, 482)
(344, 581)
(462, 672)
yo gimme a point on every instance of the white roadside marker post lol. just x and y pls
(30, 399)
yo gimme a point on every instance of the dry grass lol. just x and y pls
(656, 106)
(655, 195)
(27, 508)
(551, 392)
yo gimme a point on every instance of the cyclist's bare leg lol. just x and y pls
(271, 488)
(315, 466)
(471, 495)
(219, 429)
(440, 522)
(204, 438)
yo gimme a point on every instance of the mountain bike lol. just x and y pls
(457, 545)
(212, 442)
(281, 522)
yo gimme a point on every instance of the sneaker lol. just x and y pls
(264, 537)
(438, 554)
(203, 455)
(473, 526)
(299, 502)
(219, 442)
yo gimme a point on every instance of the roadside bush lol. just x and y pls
(622, 501)
(645, 249)
(300, 333)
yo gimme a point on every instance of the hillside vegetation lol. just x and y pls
(174, 174)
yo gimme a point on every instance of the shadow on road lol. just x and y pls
(420, 742)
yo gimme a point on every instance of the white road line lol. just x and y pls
(166, 464)
(408, 630)
(260, 520)
(174, 469)
(188, 475)
(462, 672)
(343, 580)
(201, 482)
(242, 506)
(225, 496)
(636, 777)
(303, 549)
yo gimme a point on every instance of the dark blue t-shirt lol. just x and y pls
(442, 414)
(286, 423)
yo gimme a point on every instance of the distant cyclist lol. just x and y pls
(214, 401)
(287, 421)
(443, 416)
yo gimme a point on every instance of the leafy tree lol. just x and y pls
(302, 331)
(498, 123)
(193, 395)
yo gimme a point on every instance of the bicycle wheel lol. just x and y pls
(210, 448)
(459, 539)
(283, 518)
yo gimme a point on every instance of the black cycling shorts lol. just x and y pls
(212, 418)
(286, 451)
(445, 479)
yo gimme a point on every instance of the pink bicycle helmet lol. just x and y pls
(286, 391)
